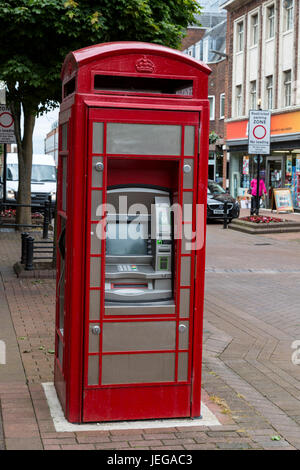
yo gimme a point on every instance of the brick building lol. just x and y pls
(263, 69)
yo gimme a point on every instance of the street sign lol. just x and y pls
(259, 136)
(7, 135)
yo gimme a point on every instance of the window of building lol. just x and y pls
(288, 88)
(253, 99)
(238, 100)
(270, 21)
(269, 90)
(240, 36)
(254, 29)
(211, 100)
(288, 10)
(222, 105)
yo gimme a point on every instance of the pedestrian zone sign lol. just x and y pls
(259, 134)
(7, 134)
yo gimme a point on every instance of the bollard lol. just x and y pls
(24, 236)
(29, 254)
(225, 214)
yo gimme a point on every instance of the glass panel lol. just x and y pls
(95, 241)
(183, 335)
(95, 272)
(185, 271)
(95, 304)
(184, 304)
(94, 339)
(97, 176)
(96, 212)
(138, 368)
(187, 200)
(64, 184)
(189, 140)
(97, 137)
(93, 370)
(134, 336)
(183, 366)
(188, 239)
(61, 281)
(143, 139)
(188, 173)
(64, 136)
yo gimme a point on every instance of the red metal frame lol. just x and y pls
(81, 402)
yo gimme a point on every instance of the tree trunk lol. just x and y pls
(25, 163)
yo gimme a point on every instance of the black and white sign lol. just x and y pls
(7, 135)
(259, 136)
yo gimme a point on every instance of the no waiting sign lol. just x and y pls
(7, 135)
(259, 133)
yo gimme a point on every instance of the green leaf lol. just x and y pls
(275, 438)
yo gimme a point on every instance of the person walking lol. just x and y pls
(262, 189)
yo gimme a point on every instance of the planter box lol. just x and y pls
(257, 229)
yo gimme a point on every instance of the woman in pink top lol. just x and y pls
(262, 189)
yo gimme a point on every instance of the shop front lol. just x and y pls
(280, 169)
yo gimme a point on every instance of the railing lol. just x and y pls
(31, 248)
(46, 209)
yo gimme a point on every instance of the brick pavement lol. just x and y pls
(249, 381)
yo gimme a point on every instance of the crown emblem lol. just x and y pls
(144, 65)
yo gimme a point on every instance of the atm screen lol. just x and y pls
(126, 239)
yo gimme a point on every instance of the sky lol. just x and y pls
(42, 127)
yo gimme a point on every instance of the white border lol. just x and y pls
(62, 425)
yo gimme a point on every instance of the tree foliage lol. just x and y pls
(36, 35)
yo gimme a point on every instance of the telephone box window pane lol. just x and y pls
(138, 368)
(188, 239)
(95, 241)
(94, 304)
(96, 211)
(189, 140)
(94, 339)
(185, 271)
(188, 173)
(143, 139)
(64, 184)
(93, 370)
(60, 352)
(97, 176)
(183, 335)
(95, 272)
(184, 304)
(64, 136)
(187, 206)
(98, 137)
(183, 365)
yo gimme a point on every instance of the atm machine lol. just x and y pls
(138, 265)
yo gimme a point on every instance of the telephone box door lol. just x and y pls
(139, 319)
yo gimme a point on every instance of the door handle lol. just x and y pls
(96, 330)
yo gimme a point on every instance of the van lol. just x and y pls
(43, 178)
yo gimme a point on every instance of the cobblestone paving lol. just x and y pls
(249, 381)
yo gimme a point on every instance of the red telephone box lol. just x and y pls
(133, 151)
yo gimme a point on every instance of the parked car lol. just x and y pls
(216, 196)
(43, 179)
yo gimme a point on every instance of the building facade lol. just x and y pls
(263, 71)
(211, 49)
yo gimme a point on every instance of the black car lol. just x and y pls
(216, 196)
